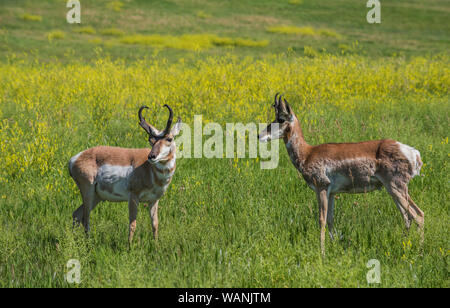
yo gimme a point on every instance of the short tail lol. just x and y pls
(413, 157)
(418, 165)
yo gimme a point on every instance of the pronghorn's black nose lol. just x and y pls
(152, 156)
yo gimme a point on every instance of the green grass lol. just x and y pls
(407, 27)
(222, 223)
(112, 32)
(252, 228)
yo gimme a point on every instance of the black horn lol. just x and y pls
(169, 121)
(147, 127)
(275, 104)
(280, 104)
(288, 108)
(142, 121)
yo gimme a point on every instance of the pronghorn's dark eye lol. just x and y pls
(169, 139)
(281, 120)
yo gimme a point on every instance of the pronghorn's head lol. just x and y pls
(162, 142)
(283, 123)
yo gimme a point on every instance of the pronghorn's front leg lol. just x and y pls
(153, 209)
(330, 215)
(322, 199)
(132, 210)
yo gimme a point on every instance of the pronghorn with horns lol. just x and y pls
(105, 173)
(334, 168)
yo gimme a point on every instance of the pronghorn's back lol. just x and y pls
(385, 153)
(357, 167)
(87, 162)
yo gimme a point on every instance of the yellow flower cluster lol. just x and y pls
(55, 35)
(115, 5)
(189, 41)
(44, 106)
(24, 148)
(305, 31)
(31, 17)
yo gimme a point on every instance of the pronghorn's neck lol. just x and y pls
(166, 168)
(296, 145)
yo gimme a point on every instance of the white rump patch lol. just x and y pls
(73, 160)
(413, 157)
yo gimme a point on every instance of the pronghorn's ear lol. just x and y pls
(176, 128)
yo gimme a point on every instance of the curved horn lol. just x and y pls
(275, 104)
(281, 105)
(169, 121)
(288, 108)
(140, 113)
(147, 127)
(142, 121)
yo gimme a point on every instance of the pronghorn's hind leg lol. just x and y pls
(410, 211)
(400, 203)
(86, 184)
(77, 216)
(90, 200)
(397, 165)
(401, 197)
(420, 218)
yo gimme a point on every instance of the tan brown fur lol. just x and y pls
(105, 173)
(90, 160)
(360, 167)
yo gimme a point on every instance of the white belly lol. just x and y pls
(344, 184)
(112, 182)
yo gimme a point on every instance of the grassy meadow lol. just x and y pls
(223, 222)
